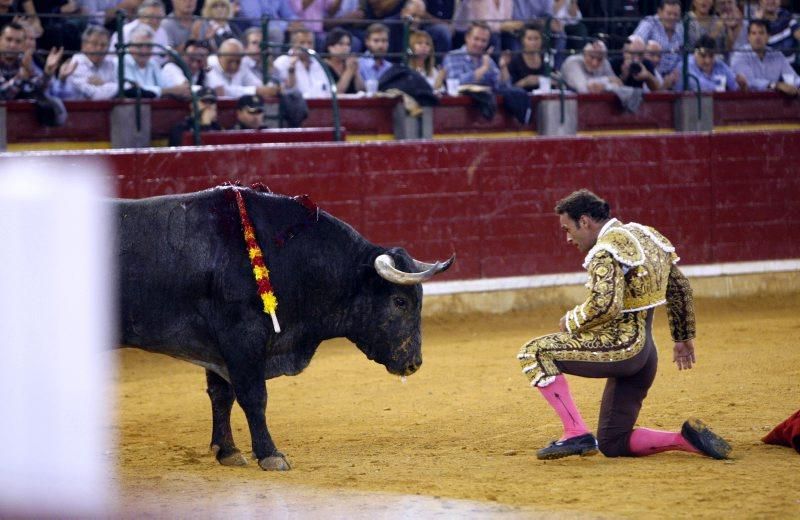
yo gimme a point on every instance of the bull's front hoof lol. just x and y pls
(232, 457)
(276, 462)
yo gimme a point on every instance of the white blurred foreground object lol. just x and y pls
(56, 319)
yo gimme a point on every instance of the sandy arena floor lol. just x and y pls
(459, 437)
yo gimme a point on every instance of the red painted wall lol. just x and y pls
(719, 197)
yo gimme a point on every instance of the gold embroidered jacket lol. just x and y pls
(632, 268)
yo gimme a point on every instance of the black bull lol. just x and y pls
(187, 290)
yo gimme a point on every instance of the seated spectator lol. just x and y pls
(498, 17)
(195, 56)
(374, 63)
(104, 12)
(763, 68)
(64, 29)
(179, 23)
(19, 79)
(634, 69)
(17, 10)
(524, 70)
(142, 72)
(703, 21)
(229, 79)
(340, 61)
(252, 52)
(280, 13)
(652, 52)
(568, 15)
(665, 29)
(590, 72)
(150, 13)
(215, 27)
(297, 71)
(436, 23)
(541, 12)
(346, 14)
(472, 63)
(388, 12)
(735, 26)
(207, 111)
(95, 76)
(249, 113)
(421, 59)
(311, 13)
(784, 29)
(712, 74)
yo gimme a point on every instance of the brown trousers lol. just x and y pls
(626, 388)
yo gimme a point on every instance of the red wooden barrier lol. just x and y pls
(272, 135)
(720, 197)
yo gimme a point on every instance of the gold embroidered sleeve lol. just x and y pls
(680, 306)
(606, 292)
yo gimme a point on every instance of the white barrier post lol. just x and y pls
(56, 327)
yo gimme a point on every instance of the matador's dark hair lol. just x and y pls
(583, 202)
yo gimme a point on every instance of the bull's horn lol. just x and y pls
(384, 264)
(440, 266)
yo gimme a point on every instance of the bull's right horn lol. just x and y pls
(384, 265)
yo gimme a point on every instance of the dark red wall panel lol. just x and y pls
(719, 197)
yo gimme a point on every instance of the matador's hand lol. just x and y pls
(683, 354)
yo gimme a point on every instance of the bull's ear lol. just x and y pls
(384, 265)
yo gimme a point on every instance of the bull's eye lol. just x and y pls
(400, 302)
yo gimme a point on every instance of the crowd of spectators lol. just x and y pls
(512, 44)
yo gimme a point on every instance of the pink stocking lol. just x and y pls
(558, 396)
(647, 442)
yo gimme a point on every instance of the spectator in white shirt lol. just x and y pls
(195, 56)
(229, 79)
(298, 71)
(95, 76)
(150, 13)
(142, 72)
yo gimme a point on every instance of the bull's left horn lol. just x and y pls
(384, 264)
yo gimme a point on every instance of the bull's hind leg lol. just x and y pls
(221, 394)
(251, 393)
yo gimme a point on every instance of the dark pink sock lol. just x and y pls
(647, 442)
(557, 394)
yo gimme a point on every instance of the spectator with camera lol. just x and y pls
(634, 69)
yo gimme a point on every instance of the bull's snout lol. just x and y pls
(412, 366)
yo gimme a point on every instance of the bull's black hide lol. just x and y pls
(187, 290)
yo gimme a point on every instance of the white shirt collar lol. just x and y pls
(606, 226)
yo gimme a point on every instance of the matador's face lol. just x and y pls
(580, 233)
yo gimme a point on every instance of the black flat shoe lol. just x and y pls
(583, 445)
(701, 437)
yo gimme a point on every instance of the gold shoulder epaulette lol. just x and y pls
(621, 244)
